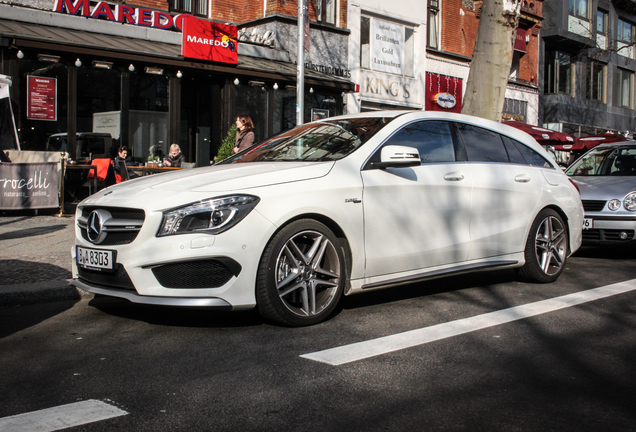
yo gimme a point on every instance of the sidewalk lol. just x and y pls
(35, 258)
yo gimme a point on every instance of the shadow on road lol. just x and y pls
(175, 316)
(32, 232)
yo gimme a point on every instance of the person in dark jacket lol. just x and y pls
(245, 134)
(123, 158)
(175, 158)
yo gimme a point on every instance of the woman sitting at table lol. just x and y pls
(175, 158)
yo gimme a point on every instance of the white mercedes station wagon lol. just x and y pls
(336, 207)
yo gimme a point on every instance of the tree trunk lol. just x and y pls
(492, 58)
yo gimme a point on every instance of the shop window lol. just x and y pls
(252, 101)
(515, 109)
(595, 81)
(98, 101)
(34, 130)
(326, 11)
(624, 87)
(559, 72)
(579, 8)
(148, 116)
(433, 24)
(195, 7)
(365, 42)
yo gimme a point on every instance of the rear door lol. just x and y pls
(506, 191)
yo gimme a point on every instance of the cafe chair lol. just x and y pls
(188, 165)
(105, 172)
(123, 173)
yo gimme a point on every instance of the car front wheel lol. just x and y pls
(301, 274)
(546, 248)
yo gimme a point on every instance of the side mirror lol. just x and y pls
(395, 156)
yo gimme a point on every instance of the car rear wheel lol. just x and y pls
(546, 248)
(301, 274)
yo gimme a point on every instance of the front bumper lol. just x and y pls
(189, 270)
(610, 230)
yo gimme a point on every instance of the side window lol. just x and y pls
(532, 157)
(482, 145)
(513, 152)
(433, 139)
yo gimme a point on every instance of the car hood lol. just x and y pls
(167, 187)
(604, 187)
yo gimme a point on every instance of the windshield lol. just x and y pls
(326, 140)
(606, 161)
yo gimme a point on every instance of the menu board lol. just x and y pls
(41, 98)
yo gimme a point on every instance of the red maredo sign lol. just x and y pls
(206, 40)
(121, 13)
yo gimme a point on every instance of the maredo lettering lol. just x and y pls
(211, 42)
(121, 13)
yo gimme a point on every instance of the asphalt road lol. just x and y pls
(194, 370)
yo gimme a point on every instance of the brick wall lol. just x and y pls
(459, 28)
(152, 4)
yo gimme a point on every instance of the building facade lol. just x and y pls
(452, 31)
(588, 65)
(119, 68)
(386, 55)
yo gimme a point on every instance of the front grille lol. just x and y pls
(211, 273)
(116, 234)
(606, 235)
(593, 205)
(118, 279)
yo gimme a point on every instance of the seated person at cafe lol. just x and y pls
(175, 158)
(123, 158)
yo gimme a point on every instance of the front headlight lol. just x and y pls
(630, 201)
(211, 216)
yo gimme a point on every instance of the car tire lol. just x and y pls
(546, 249)
(301, 275)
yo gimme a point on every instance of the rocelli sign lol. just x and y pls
(121, 13)
(207, 40)
(445, 100)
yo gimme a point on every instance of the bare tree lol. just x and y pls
(492, 58)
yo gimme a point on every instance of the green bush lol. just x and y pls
(227, 146)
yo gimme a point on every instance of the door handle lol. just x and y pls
(454, 176)
(522, 178)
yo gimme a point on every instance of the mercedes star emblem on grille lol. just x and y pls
(95, 226)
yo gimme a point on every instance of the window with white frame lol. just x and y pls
(387, 46)
(625, 38)
(579, 8)
(433, 24)
(326, 11)
(195, 7)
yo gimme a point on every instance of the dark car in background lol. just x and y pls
(87, 144)
(606, 176)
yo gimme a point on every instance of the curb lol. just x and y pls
(21, 294)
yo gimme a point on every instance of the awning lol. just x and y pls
(37, 36)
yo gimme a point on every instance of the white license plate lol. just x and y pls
(95, 258)
(588, 223)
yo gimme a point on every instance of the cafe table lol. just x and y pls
(146, 170)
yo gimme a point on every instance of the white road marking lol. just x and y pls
(60, 417)
(374, 347)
